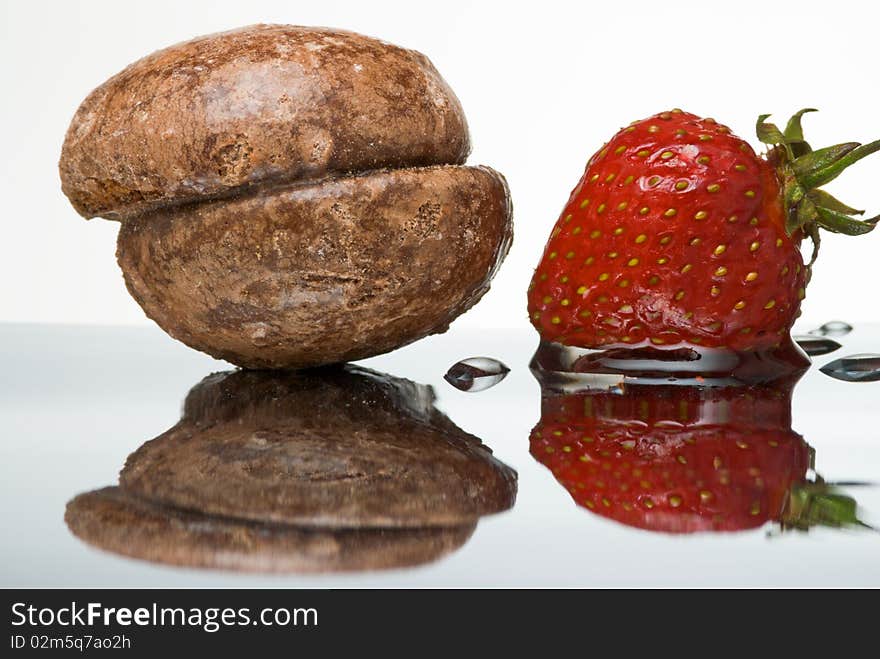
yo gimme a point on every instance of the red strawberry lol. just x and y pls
(682, 459)
(678, 233)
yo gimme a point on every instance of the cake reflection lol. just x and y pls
(335, 469)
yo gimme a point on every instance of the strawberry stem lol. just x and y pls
(810, 166)
(821, 176)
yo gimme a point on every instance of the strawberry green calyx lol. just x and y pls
(820, 504)
(802, 171)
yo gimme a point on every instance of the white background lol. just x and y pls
(543, 85)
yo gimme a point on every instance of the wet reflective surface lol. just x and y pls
(77, 402)
(574, 368)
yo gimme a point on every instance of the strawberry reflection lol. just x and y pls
(683, 458)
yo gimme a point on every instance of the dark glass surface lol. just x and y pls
(76, 401)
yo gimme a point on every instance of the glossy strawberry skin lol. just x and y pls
(675, 459)
(674, 235)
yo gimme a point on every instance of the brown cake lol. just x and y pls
(289, 196)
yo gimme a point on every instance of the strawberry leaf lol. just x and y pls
(769, 133)
(837, 222)
(822, 198)
(794, 134)
(793, 130)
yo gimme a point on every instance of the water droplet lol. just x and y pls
(855, 368)
(476, 374)
(833, 328)
(815, 345)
